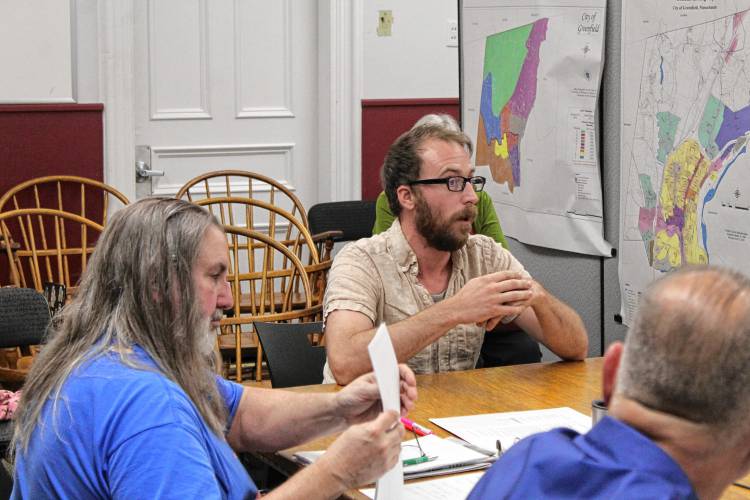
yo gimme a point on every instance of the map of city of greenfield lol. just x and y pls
(509, 87)
(688, 185)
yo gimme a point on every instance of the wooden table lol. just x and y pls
(489, 390)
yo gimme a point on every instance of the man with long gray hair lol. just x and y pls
(124, 402)
(678, 393)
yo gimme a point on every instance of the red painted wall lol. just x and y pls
(383, 120)
(50, 139)
(37, 140)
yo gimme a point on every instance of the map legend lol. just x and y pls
(581, 122)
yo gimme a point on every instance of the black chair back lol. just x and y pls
(354, 219)
(24, 317)
(291, 359)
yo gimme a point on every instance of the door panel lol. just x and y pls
(228, 85)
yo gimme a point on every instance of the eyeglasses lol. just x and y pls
(422, 458)
(456, 183)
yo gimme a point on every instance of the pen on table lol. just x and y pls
(470, 446)
(415, 427)
(417, 460)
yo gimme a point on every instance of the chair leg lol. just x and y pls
(238, 352)
(259, 363)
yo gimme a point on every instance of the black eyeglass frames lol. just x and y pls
(455, 183)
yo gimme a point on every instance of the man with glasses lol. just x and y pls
(436, 286)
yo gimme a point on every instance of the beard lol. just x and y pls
(437, 231)
(207, 338)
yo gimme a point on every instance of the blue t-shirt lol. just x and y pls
(613, 460)
(122, 432)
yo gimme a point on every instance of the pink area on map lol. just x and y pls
(646, 218)
(524, 95)
(736, 23)
(737, 20)
(660, 224)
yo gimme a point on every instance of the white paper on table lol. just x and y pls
(391, 485)
(510, 427)
(444, 488)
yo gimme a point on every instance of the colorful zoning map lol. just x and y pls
(511, 62)
(530, 83)
(686, 123)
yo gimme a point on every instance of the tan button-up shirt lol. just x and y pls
(378, 277)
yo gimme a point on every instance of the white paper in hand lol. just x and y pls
(391, 485)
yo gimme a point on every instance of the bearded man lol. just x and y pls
(124, 402)
(436, 286)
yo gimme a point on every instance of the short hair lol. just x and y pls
(403, 160)
(688, 350)
(442, 119)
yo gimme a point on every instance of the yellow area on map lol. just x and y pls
(694, 253)
(667, 248)
(678, 172)
(685, 173)
(501, 149)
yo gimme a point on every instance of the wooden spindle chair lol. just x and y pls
(263, 276)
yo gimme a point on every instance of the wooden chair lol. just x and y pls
(246, 184)
(282, 226)
(242, 183)
(266, 279)
(85, 197)
(53, 246)
(258, 215)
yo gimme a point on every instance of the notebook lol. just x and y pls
(450, 457)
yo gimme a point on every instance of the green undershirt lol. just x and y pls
(486, 222)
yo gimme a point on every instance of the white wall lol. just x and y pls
(36, 51)
(414, 62)
(86, 50)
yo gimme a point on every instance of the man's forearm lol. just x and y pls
(350, 359)
(310, 482)
(562, 330)
(266, 415)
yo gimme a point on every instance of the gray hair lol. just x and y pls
(403, 160)
(688, 350)
(441, 120)
(133, 295)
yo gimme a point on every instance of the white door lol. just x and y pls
(223, 84)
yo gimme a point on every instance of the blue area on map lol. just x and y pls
(491, 122)
(734, 124)
(712, 192)
(661, 71)
(515, 162)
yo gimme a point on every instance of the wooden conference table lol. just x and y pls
(489, 390)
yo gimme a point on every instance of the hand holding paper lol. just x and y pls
(360, 400)
(383, 359)
(370, 447)
(362, 453)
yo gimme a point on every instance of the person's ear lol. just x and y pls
(611, 365)
(406, 197)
